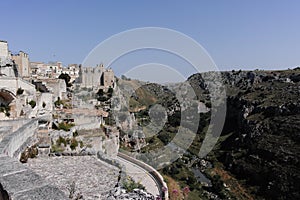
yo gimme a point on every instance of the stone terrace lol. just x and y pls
(22, 183)
(93, 178)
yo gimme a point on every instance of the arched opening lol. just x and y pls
(102, 79)
(6, 99)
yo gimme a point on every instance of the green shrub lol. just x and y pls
(74, 144)
(110, 92)
(32, 103)
(55, 148)
(129, 184)
(60, 141)
(81, 144)
(100, 92)
(20, 91)
(5, 109)
(75, 134)
(102, 98)
(65, 126)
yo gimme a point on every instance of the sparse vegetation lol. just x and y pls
(30, 152)
(65, 126)
(104, 96)
(32, 103)
(20, 91)
(67, 79)
(5, 109)
(74, 143)
(129, 184)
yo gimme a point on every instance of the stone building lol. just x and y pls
(57, 87)
(36, 68)
(15, 92)
(107, 79)
(22, 61)
(4, 54)
(96, 77)
(7, 66)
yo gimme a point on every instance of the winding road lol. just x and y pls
(143, 174)
(140, 175)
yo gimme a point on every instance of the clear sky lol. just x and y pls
(237, 34)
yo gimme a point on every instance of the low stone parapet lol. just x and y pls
(163, 188)
(12, 143)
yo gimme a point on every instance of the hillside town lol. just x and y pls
(24, 81)
(48, 110)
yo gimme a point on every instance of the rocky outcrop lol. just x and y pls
(118, 193)
(261, 131)
(265, 152)
(264, 145)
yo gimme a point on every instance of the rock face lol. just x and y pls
(261, 143)
(263, 126)
(137, 194)
(264, 151)
(263, 121)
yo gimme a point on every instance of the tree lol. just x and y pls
(100, 92)
(110, 91)
(32, 103)
(67, 79)
(20, 91)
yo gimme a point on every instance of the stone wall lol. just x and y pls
(14, 124)
(80, 119)
(91, 76)
(3, 49)
(12, 142)
(96, 77)
(108, 79)
(4, 131)
(57, 86)
(22, 60)
(12, 84)
(17, 180)
(39, 110)
(88, 126)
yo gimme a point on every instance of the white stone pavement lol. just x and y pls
(93, 178)
(140, 175)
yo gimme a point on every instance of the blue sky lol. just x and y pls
(237, 34)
